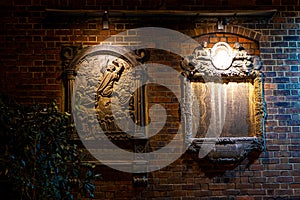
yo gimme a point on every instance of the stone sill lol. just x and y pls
(227, 150)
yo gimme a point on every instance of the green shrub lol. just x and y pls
(37, 156)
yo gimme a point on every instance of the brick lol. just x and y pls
(256, 167)
(257, 180)
(282, 68)
(294, 148)
(292, 62)
(284, 179)
(284, 167)
(283, 117)
(295, 160)
(283, 192)
(267, 50)
(293, 86)
(270, 74)
(218, 186)
(281, 80)
(191, 187)
(268, 62)
(295, 185)
(282, 92)
(278, 32)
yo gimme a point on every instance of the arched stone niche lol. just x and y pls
(226, 100)
(91, 74)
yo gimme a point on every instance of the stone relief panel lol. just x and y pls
(92, 75)
(109, 77)
(95, 78)
(227, 86)
(97, 91)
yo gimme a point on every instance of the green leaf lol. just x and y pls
(40, 158)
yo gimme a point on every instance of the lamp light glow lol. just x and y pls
(105, 21)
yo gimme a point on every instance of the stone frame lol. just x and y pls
(72, 58)
(243, 68)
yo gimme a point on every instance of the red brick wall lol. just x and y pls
(30, 44)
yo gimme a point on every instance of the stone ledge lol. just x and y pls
(227, 150)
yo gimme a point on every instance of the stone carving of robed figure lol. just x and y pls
(112, 74)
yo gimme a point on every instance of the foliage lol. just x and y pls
(37, 156)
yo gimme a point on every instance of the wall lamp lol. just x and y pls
(221, 23)
(105, 21)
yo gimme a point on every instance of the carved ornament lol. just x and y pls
(220, 60)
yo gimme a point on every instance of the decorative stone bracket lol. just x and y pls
(228, 150)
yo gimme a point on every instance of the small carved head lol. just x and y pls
(257, 63)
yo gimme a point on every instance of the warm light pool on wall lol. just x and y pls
(105, 21)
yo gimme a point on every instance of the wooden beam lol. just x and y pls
(166, 13)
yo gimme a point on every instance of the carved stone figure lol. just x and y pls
(202, 52)
(257, 63)
(111, 75)
(241, 59)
